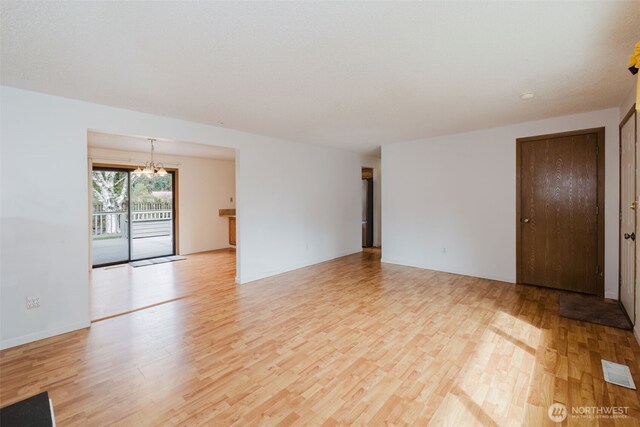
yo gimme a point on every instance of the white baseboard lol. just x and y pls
(461, 273)
(244, 279)
(40, 335)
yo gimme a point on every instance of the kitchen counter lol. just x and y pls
(231, 214)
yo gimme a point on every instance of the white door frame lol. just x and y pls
(629, 206)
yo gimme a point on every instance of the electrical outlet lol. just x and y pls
(32, 302)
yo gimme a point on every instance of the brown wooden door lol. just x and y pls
(559, 211)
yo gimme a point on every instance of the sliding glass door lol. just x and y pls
(110, 223)
(133, 216)
(151, 216)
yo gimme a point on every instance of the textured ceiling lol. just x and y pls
(347, 74)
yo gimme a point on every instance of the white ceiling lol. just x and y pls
(348, 74)
(163, 146)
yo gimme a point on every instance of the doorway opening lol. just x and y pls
(140, 223)
(367, 207)
(133, 215)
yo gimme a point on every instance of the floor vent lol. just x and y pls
(618, 374)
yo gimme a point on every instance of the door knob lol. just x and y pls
(525, 220)
(633, 205)
(631, 236)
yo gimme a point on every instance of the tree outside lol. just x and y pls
(110, 197)
(152, 189)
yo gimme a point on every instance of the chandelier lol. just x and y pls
(150, 169)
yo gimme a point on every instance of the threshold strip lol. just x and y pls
(139, 309)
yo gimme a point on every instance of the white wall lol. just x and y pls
(297, 204)
(458, 192)
(204, 186)
(629, 100)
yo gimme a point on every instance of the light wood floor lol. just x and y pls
(346, 341)
(122, 288)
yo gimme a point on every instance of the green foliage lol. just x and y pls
(110, 187)
(143, 187)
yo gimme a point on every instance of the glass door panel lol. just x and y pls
(110, 219)
(151, 216)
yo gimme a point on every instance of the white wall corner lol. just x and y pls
(611, 295)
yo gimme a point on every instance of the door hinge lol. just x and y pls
(597, 269)
(598, 210)
(597, 150)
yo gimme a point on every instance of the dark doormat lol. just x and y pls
(589, 308)
(36, 411)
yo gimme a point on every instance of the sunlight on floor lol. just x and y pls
(494, 382)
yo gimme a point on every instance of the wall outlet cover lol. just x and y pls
(32, 302)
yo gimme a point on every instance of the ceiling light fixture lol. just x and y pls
(526, 96)
(151, 168)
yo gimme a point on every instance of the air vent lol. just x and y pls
(618, 374)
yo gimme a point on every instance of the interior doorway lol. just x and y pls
(560, 211)
(133, 216)
(367, 207)
(628, 209)
(189, 212)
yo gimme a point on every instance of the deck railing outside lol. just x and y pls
(112, 224)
